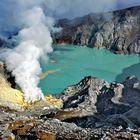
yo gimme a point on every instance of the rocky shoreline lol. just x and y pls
(92, 109)
(116, 31)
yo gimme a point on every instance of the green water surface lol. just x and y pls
(77, 62)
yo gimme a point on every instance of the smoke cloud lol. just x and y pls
(10, 10)
(35, 41)
(32, 19)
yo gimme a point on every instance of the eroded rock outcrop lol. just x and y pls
(28, 127)
(92, 109)
(117, 31)
(95, 103)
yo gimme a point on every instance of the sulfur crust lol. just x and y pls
(54, 101)
(15, 98)
(9, 94)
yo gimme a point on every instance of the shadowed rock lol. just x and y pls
(100, 104)
(92, 109)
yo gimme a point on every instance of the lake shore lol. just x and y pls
(91, 109)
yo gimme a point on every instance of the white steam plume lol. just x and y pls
(35, 40)
(9, 9)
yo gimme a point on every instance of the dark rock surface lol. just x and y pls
(99, 104)
(93, 110)
(17, 126)
(117, 31)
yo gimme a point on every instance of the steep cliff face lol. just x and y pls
(94, 103)
(117, 31)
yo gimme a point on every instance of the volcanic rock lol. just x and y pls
(14, 98)
(116, 31)
(95, 103)
(91, 109)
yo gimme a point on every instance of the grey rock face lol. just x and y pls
(117, 31)
(104, 105)
(84, 95)
(22, 127)
(93, 109)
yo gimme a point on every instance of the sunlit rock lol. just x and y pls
(14, 98)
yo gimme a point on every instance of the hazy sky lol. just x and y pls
(127, 3)
(74, 8)
(10, 9)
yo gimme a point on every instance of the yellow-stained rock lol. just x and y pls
(10, 137)
(49, 102)
(14, 98)
(9, 96)
(44, 135)
(67, 114)
(54, 101)
(22, 126)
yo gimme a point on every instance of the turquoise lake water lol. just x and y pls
(77, 62)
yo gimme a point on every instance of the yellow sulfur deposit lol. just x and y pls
(10, 95)
(14, 98)
(54, 101)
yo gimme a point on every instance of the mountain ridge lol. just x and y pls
(117, 31)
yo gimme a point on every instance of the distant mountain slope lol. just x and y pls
(118, 31)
